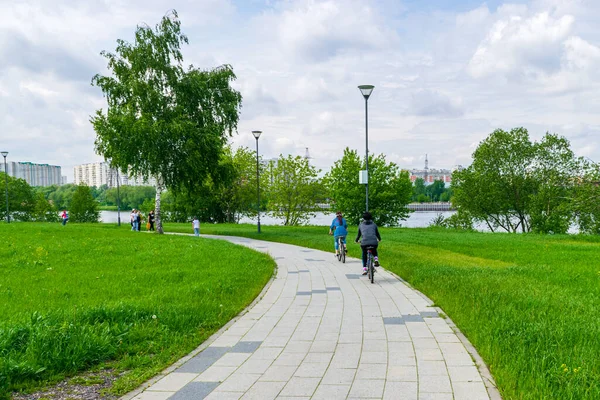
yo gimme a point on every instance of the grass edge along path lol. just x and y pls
(530, 304)
(85, 297)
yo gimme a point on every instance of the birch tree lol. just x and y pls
(163, 120)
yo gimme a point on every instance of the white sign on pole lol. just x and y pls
(363, 178)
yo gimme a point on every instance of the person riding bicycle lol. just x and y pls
(370, 238)
(339, 229)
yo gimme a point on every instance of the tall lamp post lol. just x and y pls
(366, 91)
(256, 135)
(118, 201)
(4, 154)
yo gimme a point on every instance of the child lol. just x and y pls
(196, 226)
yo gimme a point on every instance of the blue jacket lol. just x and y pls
(339, 229)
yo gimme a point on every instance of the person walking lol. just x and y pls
(65, 217)
(196, 226)
(139, 220)
(133, 216)
(151, 220)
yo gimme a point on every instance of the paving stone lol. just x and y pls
(339, 376)
(300, 386)
(400, 390)
(203, 360)
(215, 374)
(245, 347)
(195, 390)
(367, 388)
(331, 392)
(150, 395)
(173, 381)
(393, 320)
(263, 391)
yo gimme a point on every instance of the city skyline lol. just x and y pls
(446, 73)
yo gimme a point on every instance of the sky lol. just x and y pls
(446, 73)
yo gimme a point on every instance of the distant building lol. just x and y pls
(35, 174)
(100, 173)
(431, 175)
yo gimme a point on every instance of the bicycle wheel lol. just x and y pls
(372, 270)
(343, 253)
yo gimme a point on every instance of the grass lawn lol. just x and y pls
(530, 304)
(90, 296)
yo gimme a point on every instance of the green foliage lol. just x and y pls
(226, 196)
(21, 199)
(73, 299)
(163, 120)
(293, 189)
(390, 189)
(586, 199)
(59, 196)
(43, 210)
(518, 185)
(130, 196)
(83, 206)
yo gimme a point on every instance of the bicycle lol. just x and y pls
(370, 264)
(341, 255)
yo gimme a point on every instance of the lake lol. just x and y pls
(418, 219)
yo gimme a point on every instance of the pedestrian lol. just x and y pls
(151, 220)
(196, 226)
(65, 217)
(139, 220)
(133, 217)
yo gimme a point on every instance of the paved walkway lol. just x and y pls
(323, 331)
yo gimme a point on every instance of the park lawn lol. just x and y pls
(530, 304)
(92, 296)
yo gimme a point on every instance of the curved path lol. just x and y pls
(322, 331)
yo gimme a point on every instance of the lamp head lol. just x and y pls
(366, 90)
(4, 153)
(256, 134)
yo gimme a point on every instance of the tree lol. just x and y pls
(43, 210)
(163, 120)
(294, 191)
(390, 189)
(21, 199)
(436, 189)
(83, 206)
(515, 184)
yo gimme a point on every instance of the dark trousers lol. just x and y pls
(151, 226)
(364, 253)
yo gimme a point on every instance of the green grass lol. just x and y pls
(530, 304)
(81, 297)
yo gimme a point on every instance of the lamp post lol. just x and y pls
(118, 201)
(256, 135)
(366, 91)
(4, 154)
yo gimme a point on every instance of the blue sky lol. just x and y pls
(446, 73)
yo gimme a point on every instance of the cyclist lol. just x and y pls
(339, 228)
(370, 238)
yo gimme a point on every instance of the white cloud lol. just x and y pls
(517, 45)
(313, 30)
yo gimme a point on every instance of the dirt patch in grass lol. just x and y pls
(87, 386)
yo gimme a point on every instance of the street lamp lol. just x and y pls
(4, 154)
(366, 91)
(118, 201)
(256, 135)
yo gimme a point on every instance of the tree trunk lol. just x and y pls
(157, 217)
